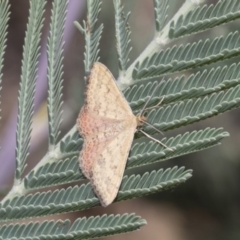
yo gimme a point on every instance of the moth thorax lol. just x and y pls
(141, 120)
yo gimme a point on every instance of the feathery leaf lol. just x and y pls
(55, 65)
(67, 170)
(4, 17)
(148, 152)
(160, 11)
(82, 228)
(205, 17)
(72, 143)
(178, 89)
(92, 37)
(56, 173)
(193, 110)
(122, 35)
(28, 82)
(79, 198)
(194, 55)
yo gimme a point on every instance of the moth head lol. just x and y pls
(141, 120)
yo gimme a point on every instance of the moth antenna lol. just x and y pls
(159, 103)
(146, 103)
(149, 124)
(154, 139)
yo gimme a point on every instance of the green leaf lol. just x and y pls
(28, 82)
(196, 85)
(71, 143)
(188, 56)
(160, 11)
(155, 181)
(205, 17)
(193, 110)
(146, 152)
(4, 17)
(82, 228)
(79, 198)
(56, 173)
(55, 70)
(122, 35)
(92, 36)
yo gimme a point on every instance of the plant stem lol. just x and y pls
(159, 41)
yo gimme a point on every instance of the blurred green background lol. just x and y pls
(206, 206)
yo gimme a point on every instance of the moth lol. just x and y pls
(107, 124)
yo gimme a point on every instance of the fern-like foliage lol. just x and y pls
(179, 89)
(194, 55)
(205, 17)
(72, 143)
(151, 152)
(122, 35)
(55, 71)
(4, 17)
(92, 36)
(28, 81)
(64, 170)
(184, 100)
(155, 181)
(80, 198)
(193, 110)
(56, 173)
(82, 228)
(160, 10)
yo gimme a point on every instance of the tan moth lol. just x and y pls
(107, 125)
